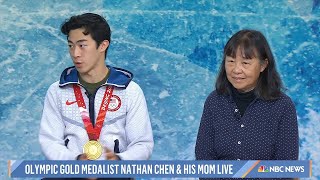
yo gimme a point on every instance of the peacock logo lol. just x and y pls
(263, 169)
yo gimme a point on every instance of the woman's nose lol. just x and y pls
(237, 68)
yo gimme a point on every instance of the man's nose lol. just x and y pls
(76, 52)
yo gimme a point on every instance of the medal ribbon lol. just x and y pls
(93, 132)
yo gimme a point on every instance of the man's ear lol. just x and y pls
(264, 65)
(104, 45)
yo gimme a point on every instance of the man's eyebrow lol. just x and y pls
(79, 41)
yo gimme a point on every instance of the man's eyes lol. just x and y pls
(80, 45)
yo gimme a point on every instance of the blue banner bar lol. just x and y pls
(160, 169)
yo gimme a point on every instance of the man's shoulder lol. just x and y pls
(133, 87)
(54, 86)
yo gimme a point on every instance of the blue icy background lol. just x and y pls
(173, 48)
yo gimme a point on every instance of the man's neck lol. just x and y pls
(95, 76)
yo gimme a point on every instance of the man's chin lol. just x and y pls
(80, 70)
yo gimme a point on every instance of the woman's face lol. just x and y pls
(243, 73)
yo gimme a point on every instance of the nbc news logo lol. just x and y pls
(263, 169)
(291, 169)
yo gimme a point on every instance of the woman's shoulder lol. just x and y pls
(284, 100)
(215, 97)
(283, 97)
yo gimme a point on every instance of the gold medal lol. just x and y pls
(93, 149)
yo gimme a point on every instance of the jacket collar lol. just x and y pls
(118, 77)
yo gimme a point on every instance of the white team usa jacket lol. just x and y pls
(62, 133)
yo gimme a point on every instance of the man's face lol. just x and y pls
(84, 52)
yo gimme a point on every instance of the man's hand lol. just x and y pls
(110, 155)
(82, 157)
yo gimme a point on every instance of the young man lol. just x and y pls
(95, 111)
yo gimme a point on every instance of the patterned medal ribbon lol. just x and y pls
(93, 148)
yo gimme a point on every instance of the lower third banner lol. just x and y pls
(160, 169)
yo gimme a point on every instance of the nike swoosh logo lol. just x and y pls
(69, 103)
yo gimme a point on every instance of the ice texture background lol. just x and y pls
(174, 49)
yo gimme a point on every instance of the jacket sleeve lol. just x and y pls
(287, 144)
(204, 149)
(138, 127)
(51, 134)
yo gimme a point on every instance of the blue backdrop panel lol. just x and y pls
(173, 48)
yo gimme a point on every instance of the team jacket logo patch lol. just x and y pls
(68, 103)
(115, 103)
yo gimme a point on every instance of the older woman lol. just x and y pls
(248, 116)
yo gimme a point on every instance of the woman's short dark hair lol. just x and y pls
(93, 24)
(253, 44)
